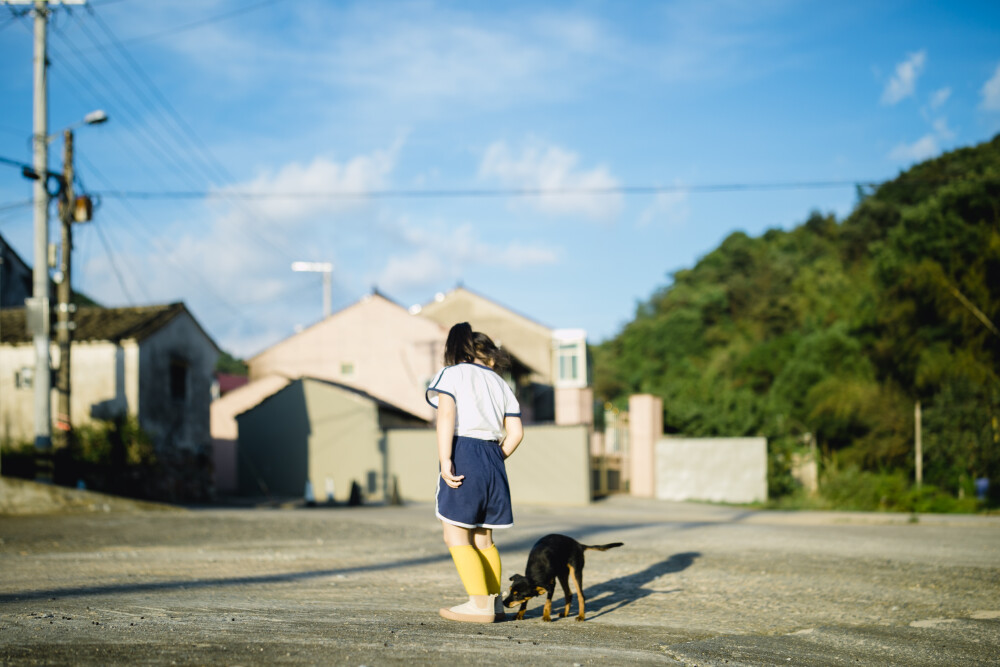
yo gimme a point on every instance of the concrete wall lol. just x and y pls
(17, 405)
(574, 406)
(225, 431)
(172, 423)
(272, 454)
(730, 470)
(313, 431)
(344, 445)
(103, 374)
(126, 378)
(550, 467)
(645, 428)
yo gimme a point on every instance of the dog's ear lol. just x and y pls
(517, 577)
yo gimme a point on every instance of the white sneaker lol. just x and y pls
(468, 612)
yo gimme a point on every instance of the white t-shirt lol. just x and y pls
(482, 399)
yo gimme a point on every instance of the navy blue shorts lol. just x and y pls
(483, 499)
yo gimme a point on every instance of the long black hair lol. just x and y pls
(465, 345)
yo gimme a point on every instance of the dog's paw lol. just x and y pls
(580, 618)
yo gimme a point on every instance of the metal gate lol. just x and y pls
(609, 455)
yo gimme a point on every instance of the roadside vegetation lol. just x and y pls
(825, 337)
(109, 456)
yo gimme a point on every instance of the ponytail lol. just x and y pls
(465, 345)
(487, 350)
(459, 346)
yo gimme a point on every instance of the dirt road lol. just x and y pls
(694, 584)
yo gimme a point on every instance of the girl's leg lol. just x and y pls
(483, 542)
(468, 563)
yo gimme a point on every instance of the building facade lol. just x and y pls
(153, 363)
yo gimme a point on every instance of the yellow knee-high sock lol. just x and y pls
(491, 566)
(470, 569)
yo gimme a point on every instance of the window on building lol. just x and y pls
(569, 362)
(347, 369)
(24, 378)
(178, 379)
(570, 358)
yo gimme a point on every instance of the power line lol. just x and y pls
(625, 190)
(75, 77)
(175, 117)
(114, 265)
(185, 27)
(164, 149)
(161, 150)
(200, 157)
(186, 270)
(212, 167)
(16, 205)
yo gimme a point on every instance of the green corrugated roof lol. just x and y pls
(96, 323)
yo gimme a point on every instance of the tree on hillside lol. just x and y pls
(833, 330)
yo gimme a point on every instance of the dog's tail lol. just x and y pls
(602, 547)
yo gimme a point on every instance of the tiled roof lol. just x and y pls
(96, 323)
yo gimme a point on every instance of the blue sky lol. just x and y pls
(470, 103)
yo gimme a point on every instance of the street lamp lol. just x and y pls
(326, 268)
(95, 117)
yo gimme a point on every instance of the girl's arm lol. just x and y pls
(445, 434)
(515, 432)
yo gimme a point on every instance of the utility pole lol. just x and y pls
(918, 455)
(64, 324)
(38, 307)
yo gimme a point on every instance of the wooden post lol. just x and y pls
(919, 453)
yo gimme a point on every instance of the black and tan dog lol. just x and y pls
(553, 557)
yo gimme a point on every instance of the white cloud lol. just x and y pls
(229, 258)
(904, 81)
(360, 174)
(576, 192)
(921, 149)
(411, 59)
(669, 209)
(707, 41)
(940, 97)
(441, 255)
(991, 92)
(942, 130)
(926, 146)
(520, 256)
(417, 270)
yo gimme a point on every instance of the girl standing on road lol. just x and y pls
(478, 426)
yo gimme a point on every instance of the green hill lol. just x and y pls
(835, 329)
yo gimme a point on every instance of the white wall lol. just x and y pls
(17, 406)
(551, 466)
(732, 470)
(102, 372)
